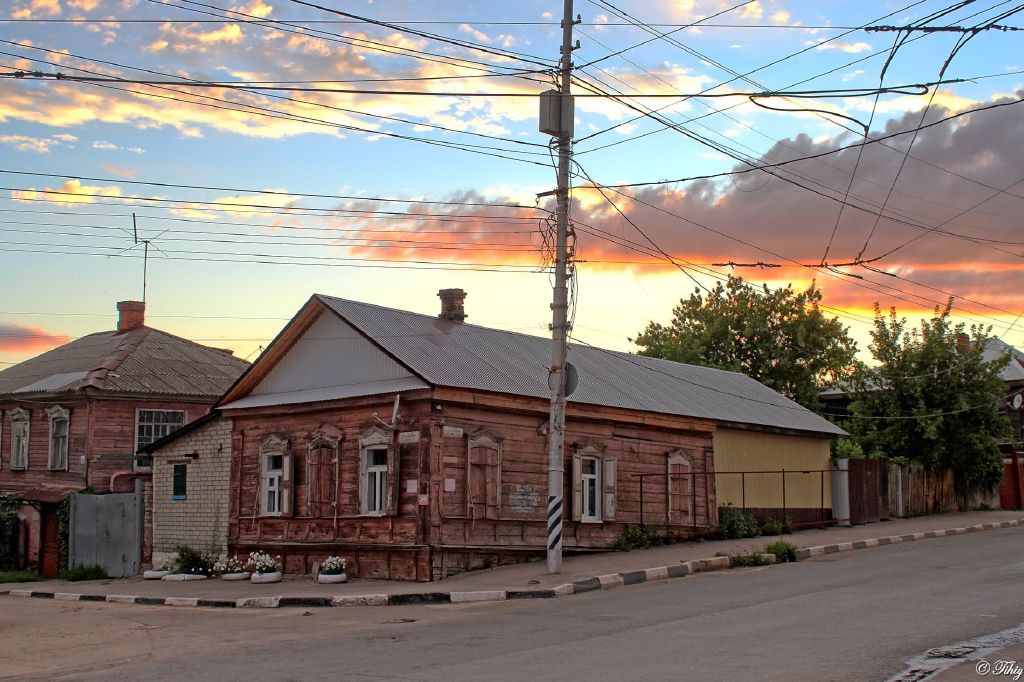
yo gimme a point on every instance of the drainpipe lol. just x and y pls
(118, 474)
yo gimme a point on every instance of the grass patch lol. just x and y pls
(19, 577)
(77, 573)
(783, 551)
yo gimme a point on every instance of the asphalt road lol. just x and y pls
(855, 615)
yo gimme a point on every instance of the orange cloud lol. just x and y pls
(16, 338)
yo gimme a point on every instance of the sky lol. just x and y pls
(268, 150)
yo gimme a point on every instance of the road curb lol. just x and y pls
(580, 586)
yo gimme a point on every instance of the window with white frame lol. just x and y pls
(376, 496)
(275, 477)
(273, 473)
(19, 439)
(151, 426)
(594, 484)
(59, 423)
(591, 479)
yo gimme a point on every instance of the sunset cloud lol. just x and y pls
(16, 338)
(718, 221)
(71, 192)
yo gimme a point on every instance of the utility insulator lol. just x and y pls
(557, 113)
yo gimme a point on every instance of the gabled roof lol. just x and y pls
(460, 355)
(142, 361)
(997, 348)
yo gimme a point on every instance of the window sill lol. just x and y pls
(177, 498)
(593, 521)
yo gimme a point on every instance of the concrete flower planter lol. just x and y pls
(154, 574)
(331, 578)
(241, 575)
(274, 577)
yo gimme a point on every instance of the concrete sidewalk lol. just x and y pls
(579, 574)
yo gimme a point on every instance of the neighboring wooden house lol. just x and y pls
(75, 417)
(416, 446)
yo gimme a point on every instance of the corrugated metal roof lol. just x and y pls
(316, 395)
(143, 361)
(461, 355)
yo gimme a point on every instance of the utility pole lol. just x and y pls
(557, 119)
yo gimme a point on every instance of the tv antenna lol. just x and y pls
(145, 251)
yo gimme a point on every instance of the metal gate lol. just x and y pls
(106, 530)
(869, 490)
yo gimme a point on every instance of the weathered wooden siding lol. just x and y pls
(756, 451)
(458, 509)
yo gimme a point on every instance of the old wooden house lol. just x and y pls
(415, 445)
(74, 418)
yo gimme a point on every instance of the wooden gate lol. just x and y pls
(869, 490)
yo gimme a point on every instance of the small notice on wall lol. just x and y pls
(449, 485)
(410, 485)
(408, 437)
(452, 432)
(424, 500)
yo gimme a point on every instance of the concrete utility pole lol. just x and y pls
(562, 130)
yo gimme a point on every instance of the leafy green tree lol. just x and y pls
(781, 337)
(933, 398)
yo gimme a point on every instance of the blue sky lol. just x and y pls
(951, 209)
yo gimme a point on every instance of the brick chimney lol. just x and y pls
(452, 304)
(963, 343)
(130, 315)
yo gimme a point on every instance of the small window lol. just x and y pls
(376, 481)
(59, 420)
(19, 439)
(273, 473)
(591, 475)
(180, 482)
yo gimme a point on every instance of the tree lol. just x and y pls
(933, 399)
(781, 337)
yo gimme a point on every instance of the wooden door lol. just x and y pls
(49, 551)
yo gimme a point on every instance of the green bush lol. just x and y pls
(744, 560)
(192, 561)
(640, 537)
(18, 577)
(734, 524)
(787, 525)
(77, 573)
(783, 551)
(771, 527)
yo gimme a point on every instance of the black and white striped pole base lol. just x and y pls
(554, 534)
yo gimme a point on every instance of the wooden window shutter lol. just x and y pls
(609, 481)
(493, 484)
(391, 506)
(577, 487)
(363, 502)
(287, 480)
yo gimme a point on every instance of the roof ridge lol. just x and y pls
(97, 377)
